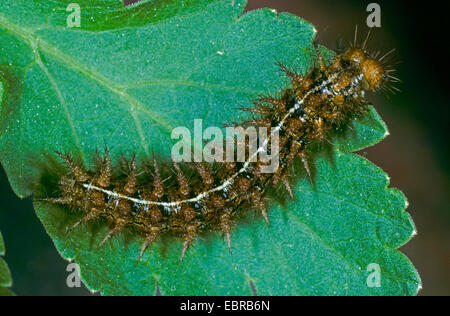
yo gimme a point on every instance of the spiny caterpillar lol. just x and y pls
(205, 197)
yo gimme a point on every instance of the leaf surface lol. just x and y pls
(126, 78)
(5, 274)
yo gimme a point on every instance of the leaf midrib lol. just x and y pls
(37, 43)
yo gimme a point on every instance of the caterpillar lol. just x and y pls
(200, 196)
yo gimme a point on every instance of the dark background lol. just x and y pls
(415, 155)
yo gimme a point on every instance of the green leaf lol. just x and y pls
(5, 274)
(2, 244)
(132, 75)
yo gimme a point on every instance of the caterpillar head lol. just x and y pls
(374, 75)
